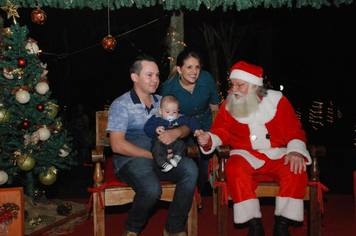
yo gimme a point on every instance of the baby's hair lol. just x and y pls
(169, 98)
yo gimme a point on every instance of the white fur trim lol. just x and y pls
(258, 136)
(274, 153)
(216, 142)
(290, 208)
(246, 210)
(297, 145)
(245, 76)
(254, 162)
(267, 109)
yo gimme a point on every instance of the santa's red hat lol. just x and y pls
(247, 72)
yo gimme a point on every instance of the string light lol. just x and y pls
(172, 38)
(315, 116)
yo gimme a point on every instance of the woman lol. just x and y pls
(198, 96)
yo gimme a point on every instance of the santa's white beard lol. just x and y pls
(243, 106)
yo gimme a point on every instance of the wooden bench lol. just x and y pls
(271, 189)
(109, 191)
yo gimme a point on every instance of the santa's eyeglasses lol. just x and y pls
(239, 86)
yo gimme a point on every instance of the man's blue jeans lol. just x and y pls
(144, 177)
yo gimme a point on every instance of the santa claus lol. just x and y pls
(266, 138)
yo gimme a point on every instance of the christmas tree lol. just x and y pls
(33, 143)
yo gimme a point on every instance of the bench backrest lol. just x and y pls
(101, 121)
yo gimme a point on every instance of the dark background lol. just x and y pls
(311, 52)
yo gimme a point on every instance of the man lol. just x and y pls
(133, 161)
(266, 138)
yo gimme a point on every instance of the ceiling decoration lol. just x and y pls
(175, 4)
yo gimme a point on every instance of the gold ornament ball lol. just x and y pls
(25, 162)
(51, 109)
(49, 178)
(109, 43)
(4, 116)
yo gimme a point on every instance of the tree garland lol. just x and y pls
(175, 4)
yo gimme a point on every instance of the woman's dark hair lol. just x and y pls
(186, 54)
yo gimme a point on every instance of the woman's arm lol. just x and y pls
(214, 107)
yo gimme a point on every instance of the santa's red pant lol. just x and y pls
(242, 183)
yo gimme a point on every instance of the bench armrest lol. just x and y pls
(316, 151)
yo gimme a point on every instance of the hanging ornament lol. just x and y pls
(8, 47)
(19, 72)
(38, 16)
(109, 43)
(63, 151)
(25, 124)
(22, 96)
(21, 62)
(25, 162)
(42, 88)
(51, 109)
(31, 46)
(4, 116)
(3, 177)
(33, 139)
(50, 177)
(27, 139)
(58, 127)
(40, 107)
(7, 73)
(44, 134)
(44, 73)
(11, 11)
(6, 32)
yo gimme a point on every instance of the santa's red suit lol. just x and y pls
(259, 143)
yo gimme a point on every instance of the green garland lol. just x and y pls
(174, 4)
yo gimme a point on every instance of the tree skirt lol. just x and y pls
(43, 219)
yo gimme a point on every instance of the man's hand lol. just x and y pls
(297, 162)
(169, 136)
(202, 137)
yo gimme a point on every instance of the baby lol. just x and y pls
(168, 117)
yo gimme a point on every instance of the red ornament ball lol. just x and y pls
(40, 107)
(21, 62)
(25, 124)
(38, 16)
(109, 43)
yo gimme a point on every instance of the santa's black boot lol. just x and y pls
(256, 227)
(281, 226)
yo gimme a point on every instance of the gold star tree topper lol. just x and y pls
(11, 10)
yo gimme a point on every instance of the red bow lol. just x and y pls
(225, 196)
(210, 167)
(321, 187)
